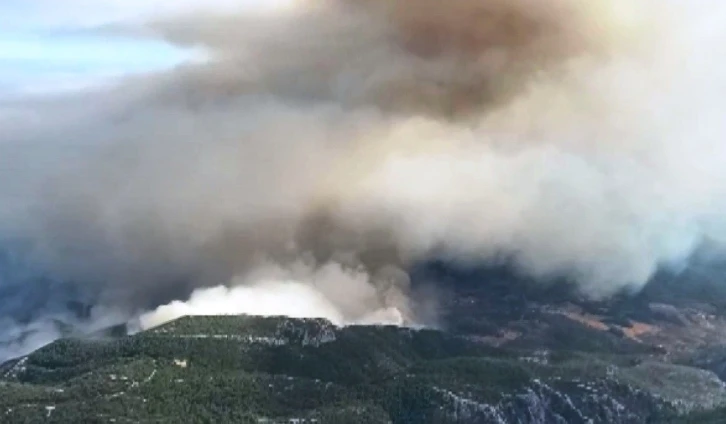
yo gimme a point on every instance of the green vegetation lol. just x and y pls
(280, 370)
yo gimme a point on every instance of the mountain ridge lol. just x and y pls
(278, 369)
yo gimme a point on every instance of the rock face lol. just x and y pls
(282, 370)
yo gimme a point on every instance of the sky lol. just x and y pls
(32, 61)
(51, 45)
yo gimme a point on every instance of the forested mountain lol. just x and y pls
(251, 369)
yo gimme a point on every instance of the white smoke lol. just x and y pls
(577, 138)
(331, 292)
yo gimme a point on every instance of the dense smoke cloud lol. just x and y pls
(323, 146)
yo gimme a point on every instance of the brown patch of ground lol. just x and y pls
(638, 329)
(588, 320)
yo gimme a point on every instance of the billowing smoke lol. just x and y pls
(321, 147)
(329, 291)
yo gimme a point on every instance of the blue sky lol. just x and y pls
(32, 61)
(47, 45)
(43, 46)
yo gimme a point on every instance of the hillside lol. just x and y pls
(281, 370)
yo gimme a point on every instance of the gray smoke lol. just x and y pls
(326, 145)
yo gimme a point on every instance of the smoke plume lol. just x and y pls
(321, 147)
